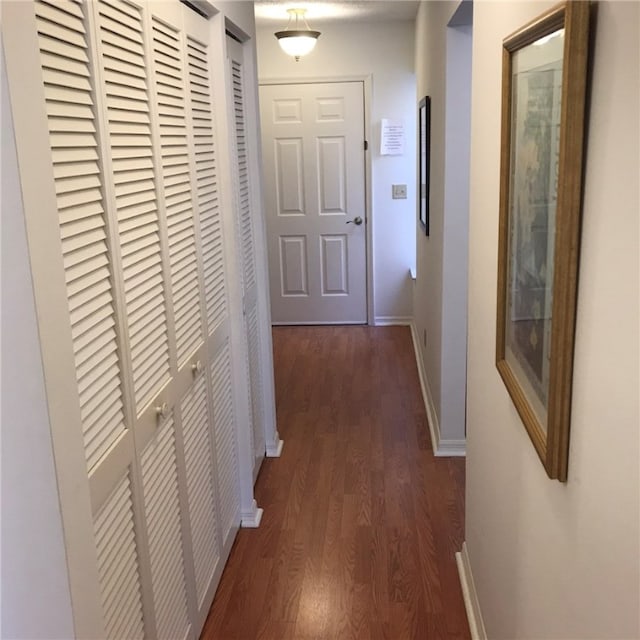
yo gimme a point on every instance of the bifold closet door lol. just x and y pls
(245, 224)
(130, 114)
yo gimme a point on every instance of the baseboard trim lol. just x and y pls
(432, 417)
(313, 323)
(392, 321)
(251, 519)
(274, 449)
(441, 448)
(451, 448)
(470, 595)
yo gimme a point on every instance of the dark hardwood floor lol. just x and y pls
(360, 522)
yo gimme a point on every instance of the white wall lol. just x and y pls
(443, 71)
(455, 234)
(384, 51)
(35, 598)
(554, 560)
(239, 12)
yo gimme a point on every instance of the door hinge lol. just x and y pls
(366, 145)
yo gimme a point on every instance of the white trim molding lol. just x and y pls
(390, 321)
(442, 448)
(274, 449)
(470, 595)
(250, 519)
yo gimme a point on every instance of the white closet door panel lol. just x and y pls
(244, 208)
(163, 516)
(122, 47)
(176, 180)
(82, 224)
(198, 451)
(206, 183)
(226, 452)
(246, 239)
(253, 346)
(114, 528)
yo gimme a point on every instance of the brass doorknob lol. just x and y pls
(357, 220)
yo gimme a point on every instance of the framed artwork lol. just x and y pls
(544, 74)
(424, 133)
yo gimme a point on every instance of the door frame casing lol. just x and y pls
(368, 198)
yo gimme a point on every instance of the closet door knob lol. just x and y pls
(196, 367)
(162, 411)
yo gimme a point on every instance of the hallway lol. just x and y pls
(360, 522)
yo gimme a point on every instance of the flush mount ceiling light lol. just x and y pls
(295, 41)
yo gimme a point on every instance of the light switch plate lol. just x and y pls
(399, 191)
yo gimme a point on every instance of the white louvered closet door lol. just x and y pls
(215, 285)
(246, 241)
(136, 159)
(73, 121)
(130, 118)
(208, 417)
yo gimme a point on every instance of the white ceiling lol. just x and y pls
(274, 12)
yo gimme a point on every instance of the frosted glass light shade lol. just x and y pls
(297, 42)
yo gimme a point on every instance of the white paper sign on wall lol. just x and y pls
(391, 137)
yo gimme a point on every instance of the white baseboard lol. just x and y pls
(451, 448)
(251, 519)
(470, 596)
(274, 449)
(442, 448)
(391, 321)
(313, 323)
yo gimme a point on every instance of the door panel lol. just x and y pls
(227, 456)
(246, 239)
(331, 176)
(313, 150)
(333, 257)
(83, 226)
(293, 265)
(289, 172)
(163, 517)
(126, 94)
(118, 566)
(201, 490)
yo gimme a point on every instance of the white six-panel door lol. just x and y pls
(123, 90)
(314, 167)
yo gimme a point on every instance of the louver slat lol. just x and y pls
(185, 287)
(200, 484)
(226, 454)
(118, 566)
(207, 185)
(162, 511)
(68, 93)
(121, 40)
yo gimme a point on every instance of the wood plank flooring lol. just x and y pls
(360, 522)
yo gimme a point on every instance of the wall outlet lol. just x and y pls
(399, 191)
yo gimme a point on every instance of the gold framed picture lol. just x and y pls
(544, 78)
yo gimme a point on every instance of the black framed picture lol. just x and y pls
(424, 133)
